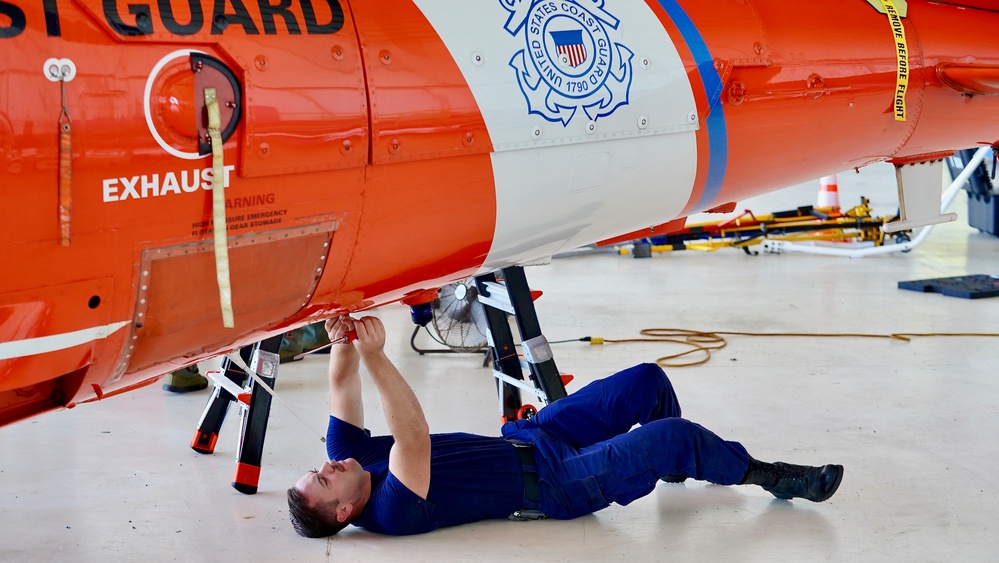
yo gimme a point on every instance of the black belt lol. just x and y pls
(526, 453)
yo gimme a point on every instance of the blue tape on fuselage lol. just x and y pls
(715, 123)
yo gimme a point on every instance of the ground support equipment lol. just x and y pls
(512, 296)
(797, 225)
(234, 384)
(983, 196)
(828, 231)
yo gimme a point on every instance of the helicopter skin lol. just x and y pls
(362, 152)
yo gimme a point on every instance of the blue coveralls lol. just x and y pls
(587, 458)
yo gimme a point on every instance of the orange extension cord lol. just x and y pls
(705, 342)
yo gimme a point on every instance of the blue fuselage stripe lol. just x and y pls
(717, 132)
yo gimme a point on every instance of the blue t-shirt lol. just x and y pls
(471, 478)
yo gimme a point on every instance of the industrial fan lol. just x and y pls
(459, 318)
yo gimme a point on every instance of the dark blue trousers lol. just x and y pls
(588, 455)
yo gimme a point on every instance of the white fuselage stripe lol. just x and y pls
(56, 342)
(586, 147)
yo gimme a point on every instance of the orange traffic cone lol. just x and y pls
(828, 192)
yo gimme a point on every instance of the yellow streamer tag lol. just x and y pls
(218, 209)
(65, 180)
(902, 50)
(901, 6)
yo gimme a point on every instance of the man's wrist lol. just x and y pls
(373, 355)
(345, 356)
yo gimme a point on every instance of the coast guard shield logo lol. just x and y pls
(569, 62)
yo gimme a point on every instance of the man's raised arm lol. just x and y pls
(409, 459)
(345, 378)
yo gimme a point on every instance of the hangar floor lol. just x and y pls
(914, 423)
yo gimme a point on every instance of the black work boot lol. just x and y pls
(786, 481)
(185, 380)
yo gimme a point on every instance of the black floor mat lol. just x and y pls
(968, 287)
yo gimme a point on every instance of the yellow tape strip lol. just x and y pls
(65, 168)
(65, 179)
(902, 50)
(901, 6)
(218, 208)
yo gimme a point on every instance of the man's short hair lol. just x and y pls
(313, 521)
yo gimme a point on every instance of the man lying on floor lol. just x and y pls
(576, 456)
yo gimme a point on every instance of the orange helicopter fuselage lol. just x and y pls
(375, 150)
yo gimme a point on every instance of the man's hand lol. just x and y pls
(338, 327)
(370, 336)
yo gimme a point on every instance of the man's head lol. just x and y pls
(325, 500)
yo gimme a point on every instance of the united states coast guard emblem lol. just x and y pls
(569, 63)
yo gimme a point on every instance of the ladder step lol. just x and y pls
(498, 297)
(521, 384)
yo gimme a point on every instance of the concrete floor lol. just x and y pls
(914, 423)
